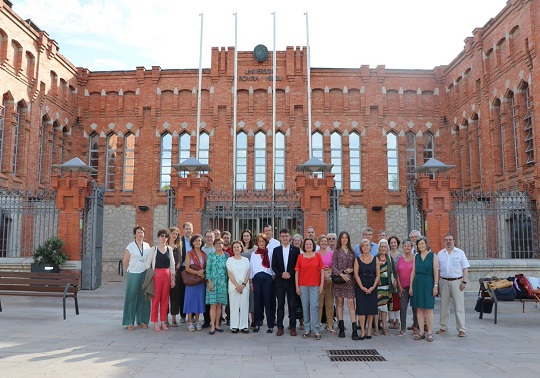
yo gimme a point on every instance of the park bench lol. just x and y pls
(40, 285)
(489, 297)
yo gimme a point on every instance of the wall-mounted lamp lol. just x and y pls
(143, 208)
(376, 208)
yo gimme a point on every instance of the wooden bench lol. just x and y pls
(488, 295)
(40, 285)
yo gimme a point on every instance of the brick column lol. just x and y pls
(314, 200)
(71, 191)
(436, 202)
(190, 195)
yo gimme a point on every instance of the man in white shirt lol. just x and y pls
(453, 268)
(208, 242)
(269, 232)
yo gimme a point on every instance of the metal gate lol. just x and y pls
(252, 209)
(172, 212)
(332, 219)
(92, 238)
(502, 224)
(27, 220)
(415, 213)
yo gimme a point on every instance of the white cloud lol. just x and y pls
(399, 34)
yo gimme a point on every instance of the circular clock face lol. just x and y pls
(260, 53)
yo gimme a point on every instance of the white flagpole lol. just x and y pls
(199, 91)
(274, 111)
(308, 86)
(235, 97)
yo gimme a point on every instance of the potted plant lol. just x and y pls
(49, 256)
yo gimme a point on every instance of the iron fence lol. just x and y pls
(252, 209)
(501, 224)
(27, 220)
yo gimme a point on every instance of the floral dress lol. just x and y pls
(216, 270)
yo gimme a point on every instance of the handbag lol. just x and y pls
(191, 279)
(506, 294)
(488, 305)
(337, 279)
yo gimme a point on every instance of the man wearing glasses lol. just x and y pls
(332, 239)
(453, 267)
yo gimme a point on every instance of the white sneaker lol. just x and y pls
(190, 327)
(198, 327)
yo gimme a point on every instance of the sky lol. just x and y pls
(109, 35)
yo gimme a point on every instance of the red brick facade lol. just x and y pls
(465, 106)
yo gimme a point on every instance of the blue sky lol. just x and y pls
(123, 34)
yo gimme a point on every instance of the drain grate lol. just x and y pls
(344, 355)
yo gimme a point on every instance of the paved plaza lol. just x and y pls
(35, 341)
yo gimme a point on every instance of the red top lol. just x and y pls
(309, 270)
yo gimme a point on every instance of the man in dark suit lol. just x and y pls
(283, 264)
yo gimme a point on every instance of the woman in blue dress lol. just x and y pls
(424, 288)
(194, 297)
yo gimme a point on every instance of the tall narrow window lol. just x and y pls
(241, 161)
(392, 157)
(51, 147)
(20, 118)
(184, 145)
(317, 147)
(335, 158)
(515, 122)
(42, 129)
(93, 154)
(2, 127)
(129, 162)
(279, 177)
(204, 148)
(63, 146)
(165, 166)
(355, 161)
(410, 150)
(260, 161)
(111, 161)
(529, 149)
(429, 149)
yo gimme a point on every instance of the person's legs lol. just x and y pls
(267, 300)
(352, 310)
(291, 299)
(219, 309)
(458, 299)
(369, 323)
(213, 317)
(158, 287)
(258, 298)
(131, 300)
(234, 308)
(164, 300)
(305, 299)
(362, 324)
(280, 294)
(445, 288)
(243, 300)
(404, 303)
(313, 310)
(339, 307)
(421, 320)
(329, 307)
(429, 317)
(384, 315)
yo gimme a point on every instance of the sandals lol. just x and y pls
(174, 324)
(402, 333)
(164, 327)
(143, 325)
(130, 328)
(429, 338)
(235, 330)
(441, 332)
(245, 330)
(317, 336)
(417, 336)
(331, 330)
(306, 335)
(384, 332)
(375, 332)
(256, 329)
(156, 328)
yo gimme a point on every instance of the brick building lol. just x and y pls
(376, 126)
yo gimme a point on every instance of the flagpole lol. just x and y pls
(235, 98)
(308, 86)
(199, 91)
(274, 111)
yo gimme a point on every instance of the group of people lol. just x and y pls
(257, 276)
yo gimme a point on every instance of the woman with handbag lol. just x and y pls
(326, 299)
(343, 287)
(366, 274)
(216, 284)
(136, 307)
(161, 260)
(238, 272)
(194, 276)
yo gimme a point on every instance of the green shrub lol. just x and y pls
(50, 252)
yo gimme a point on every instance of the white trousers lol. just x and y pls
(449, 290)
(239, 307)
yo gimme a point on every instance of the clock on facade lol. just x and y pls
(260, 53)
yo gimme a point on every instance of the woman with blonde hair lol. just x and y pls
(366, 274)
(387, 271)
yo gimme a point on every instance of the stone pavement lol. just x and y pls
(35, 341)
